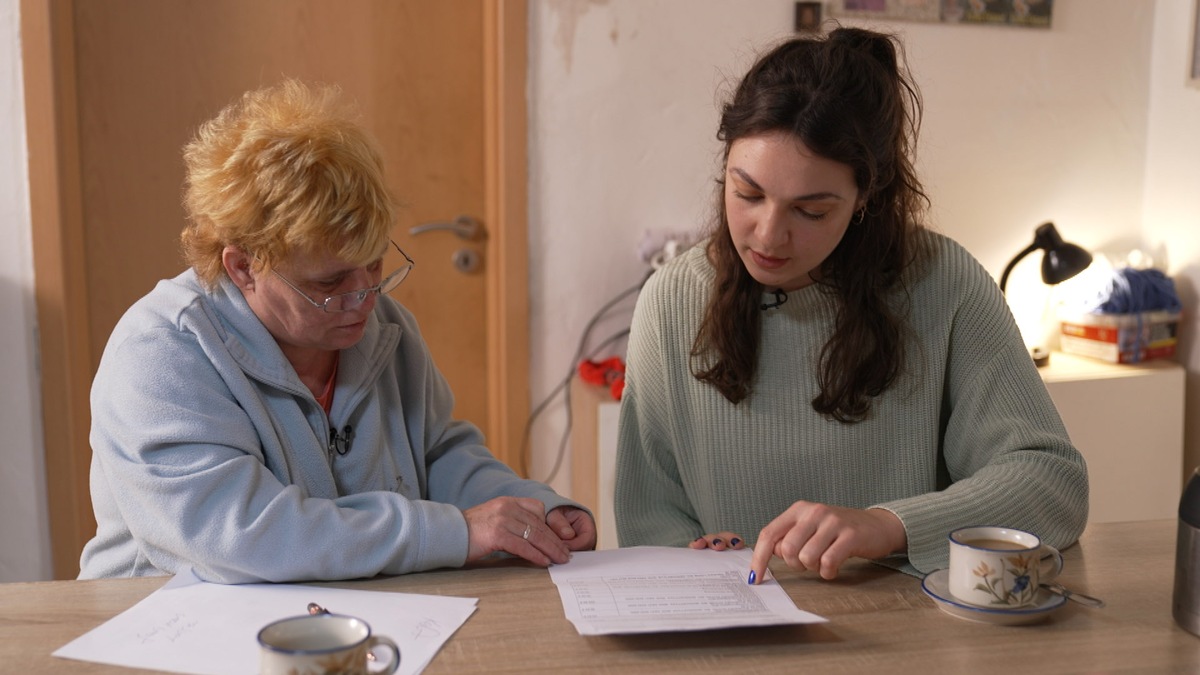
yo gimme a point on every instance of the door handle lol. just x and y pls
(465, 227)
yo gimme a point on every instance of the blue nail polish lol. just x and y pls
(753, 576)
(716, 541)
(735, 541)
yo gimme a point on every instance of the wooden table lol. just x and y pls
(879, 621)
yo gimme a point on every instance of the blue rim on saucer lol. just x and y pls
(936, 585)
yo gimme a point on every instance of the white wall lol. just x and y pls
(622, 141)
(24, 528)
(1171, 210)
(1021, 126)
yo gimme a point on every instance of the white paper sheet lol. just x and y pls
(189, 626)
(650, 589)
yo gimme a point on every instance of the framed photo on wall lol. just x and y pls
(887, 10)
(1018, 13)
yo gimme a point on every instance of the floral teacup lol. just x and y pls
(1000, 567)
(316, 644)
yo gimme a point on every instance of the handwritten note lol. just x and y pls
(652, 589)
(171, 630)
(189, 626)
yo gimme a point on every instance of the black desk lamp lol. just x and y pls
(1062, 260)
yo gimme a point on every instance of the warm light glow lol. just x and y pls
(1035, 305)
(1083, 289)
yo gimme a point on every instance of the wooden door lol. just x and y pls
(118, 87)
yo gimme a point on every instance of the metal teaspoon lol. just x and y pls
(1082, 598)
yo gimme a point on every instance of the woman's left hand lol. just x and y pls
(574, 526)
(811, 536)
(721, 541)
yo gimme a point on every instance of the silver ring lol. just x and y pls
(528, 529)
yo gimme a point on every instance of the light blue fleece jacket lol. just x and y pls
(209, 453)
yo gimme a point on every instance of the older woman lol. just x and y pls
(271, 414)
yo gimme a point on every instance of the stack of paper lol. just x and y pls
(651, 589)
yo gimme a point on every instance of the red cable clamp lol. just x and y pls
(607, 373)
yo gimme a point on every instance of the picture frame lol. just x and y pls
(1013, 13)
(808, 17)
(1193, 78)
(888, 10)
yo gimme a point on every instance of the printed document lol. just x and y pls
(649, 589)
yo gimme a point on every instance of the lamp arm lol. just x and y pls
(1013, 263)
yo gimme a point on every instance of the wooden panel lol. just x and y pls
(505, 36)
(60, 271)
(150, 71)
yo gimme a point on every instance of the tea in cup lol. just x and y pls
(322, 643)
(1000, 567)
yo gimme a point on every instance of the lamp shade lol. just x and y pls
(1062, 260)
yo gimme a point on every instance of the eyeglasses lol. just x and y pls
(345, 302)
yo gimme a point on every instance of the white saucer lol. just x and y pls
(937, 586)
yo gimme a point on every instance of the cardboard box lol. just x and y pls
(1121, 338)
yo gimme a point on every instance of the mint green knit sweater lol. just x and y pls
(968, 435)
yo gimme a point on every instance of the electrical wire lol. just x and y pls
(566, 434)
(564, 386)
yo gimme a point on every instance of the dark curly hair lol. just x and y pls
(848, 98)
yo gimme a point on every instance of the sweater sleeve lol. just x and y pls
(650, 504)
(1007, 454)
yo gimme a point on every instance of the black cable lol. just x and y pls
(566, 434)
(526, 460)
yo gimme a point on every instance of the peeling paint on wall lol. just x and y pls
(568, 13)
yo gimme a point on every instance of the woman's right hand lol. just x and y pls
(820, 537)
(721, 541)
(501, 524)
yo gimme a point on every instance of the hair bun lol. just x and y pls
(880, 46)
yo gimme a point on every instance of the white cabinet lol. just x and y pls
(594, 456)
(1127, 421)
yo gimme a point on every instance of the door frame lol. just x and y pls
(52, 135)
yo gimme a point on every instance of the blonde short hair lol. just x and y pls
(284, 168)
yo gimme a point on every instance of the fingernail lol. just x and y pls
(697, 538)
(716, 541)
(735, 541)
(752, 577)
